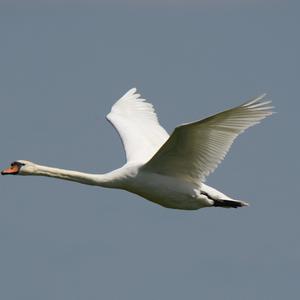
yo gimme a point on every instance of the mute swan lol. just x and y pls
(169, 171)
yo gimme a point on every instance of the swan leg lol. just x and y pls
(229, 203)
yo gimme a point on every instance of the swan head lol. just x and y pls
(20, 167)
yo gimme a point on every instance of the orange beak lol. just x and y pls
(12, 170)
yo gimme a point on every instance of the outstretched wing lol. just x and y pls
(136, 122)
(194, 150)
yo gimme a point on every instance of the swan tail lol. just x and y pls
(229, 203)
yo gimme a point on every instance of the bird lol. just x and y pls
(167, 170)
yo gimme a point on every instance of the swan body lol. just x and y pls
(167, 170)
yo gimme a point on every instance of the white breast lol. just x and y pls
(167, 191)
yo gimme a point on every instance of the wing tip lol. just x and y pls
(130, 92)
(260, 104)
(257, 101)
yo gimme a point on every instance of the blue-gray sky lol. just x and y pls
(63, 65)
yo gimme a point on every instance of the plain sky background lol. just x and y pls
(63, 65)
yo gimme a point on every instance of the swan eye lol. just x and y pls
(16, 163)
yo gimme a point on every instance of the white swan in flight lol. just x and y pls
(167, 170)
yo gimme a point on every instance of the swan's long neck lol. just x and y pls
(111, 179)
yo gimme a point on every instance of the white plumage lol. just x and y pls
(166, 170)
(194, 150)
(136, 122)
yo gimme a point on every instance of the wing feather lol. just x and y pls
(194, 150)
(136, 122)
